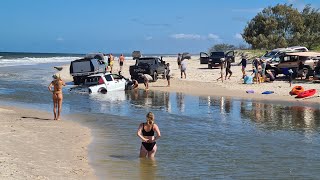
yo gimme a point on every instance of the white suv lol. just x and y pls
(102, 83)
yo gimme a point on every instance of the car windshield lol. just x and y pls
(217, 54)
(271, 54)
(142, 62)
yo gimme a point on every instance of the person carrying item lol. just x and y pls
(57, 95)
(221, 64)
(146, 132)
(228, 68)
(184, 64)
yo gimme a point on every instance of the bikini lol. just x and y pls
(148, 146)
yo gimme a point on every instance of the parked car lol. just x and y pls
(91, 64)
(215, 58)
(103, 83)
(292, 60)
(148, 65)
(273, 56)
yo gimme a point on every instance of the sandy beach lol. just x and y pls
(33, 146)
(202, 81)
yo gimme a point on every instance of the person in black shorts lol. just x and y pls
(168, 74)
(228, 68)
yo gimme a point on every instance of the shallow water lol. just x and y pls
(202, 137)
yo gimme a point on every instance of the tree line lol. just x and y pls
(280, 26)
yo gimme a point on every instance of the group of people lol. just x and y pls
(111, 62)
(225, 65)
(146, 131)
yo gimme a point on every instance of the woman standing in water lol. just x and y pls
(57, 96)
(146, 134)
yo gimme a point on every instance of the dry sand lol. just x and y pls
(33, 146)
(202, 81)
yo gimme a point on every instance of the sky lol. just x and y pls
(122, 26)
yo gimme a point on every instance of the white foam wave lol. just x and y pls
(32, 61)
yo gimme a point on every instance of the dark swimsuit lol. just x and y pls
(148, 146)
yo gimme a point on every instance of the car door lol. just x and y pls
(230, 55)
(119, 82)
(204, 58)
(111, 85)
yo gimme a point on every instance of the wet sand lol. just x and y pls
(33, 146)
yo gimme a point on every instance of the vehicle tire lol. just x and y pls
(155, 76)
(209, 66)
(102, 91)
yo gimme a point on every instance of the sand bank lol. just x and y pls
(202, 81)
(33, 146)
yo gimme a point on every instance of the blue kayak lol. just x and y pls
(268, 92)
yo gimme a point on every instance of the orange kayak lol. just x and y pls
(296, 90)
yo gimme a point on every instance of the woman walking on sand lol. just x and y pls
(146, 134)
(57, 96)
(221, 69)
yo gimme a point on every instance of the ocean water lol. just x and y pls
(203, 137)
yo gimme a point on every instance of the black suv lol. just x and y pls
(148, 65)
(214, 59)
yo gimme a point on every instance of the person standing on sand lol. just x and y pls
(221, 69)
(228, 68)
(184, 64)
(121, 61)
(57, 96)
(168, 74)
(146, 134)
(179, 60)
(244, 65)
(111, 61)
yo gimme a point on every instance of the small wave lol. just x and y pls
(32, 61)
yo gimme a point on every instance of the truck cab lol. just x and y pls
(214, 59)
(148, 65)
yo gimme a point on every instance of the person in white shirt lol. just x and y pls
(184, 64)
(146, 79)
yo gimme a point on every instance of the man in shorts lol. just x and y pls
(121, 61)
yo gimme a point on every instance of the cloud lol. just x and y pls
(148, 38)
(186, 36)
(238, 36)
(248, 10)
(213, 36)
(59, 39)
(196, 37)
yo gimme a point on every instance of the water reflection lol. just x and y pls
(271, 116)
